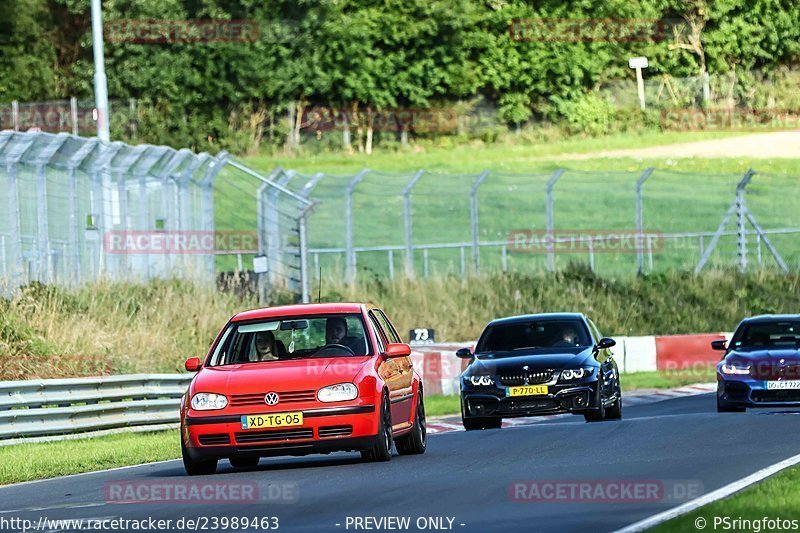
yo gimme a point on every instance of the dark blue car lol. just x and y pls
(761, 366)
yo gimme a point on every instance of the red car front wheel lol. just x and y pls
(382, 449)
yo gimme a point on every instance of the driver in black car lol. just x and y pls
(568, 338)
(336, 333)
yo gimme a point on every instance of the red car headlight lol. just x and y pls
(209, 401)
(338, 393)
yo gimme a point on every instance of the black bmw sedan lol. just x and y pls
(539, 365)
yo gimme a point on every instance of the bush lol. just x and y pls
(589, 114)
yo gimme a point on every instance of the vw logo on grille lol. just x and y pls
(271, 398)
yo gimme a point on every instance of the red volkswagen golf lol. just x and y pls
(302, 379)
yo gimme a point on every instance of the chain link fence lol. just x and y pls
(614, 222)
(75, 210)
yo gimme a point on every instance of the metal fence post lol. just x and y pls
(473, 211)
(73, 114)
(741, 220)
(407, 216)
(272, 223)
(207, 207)
(640, 219)
(75, 262)
(47, 271)
(15, 241)
(263, 241)
(144, 217)
(351, 259)
(551, 262)
(304, 277)
(15, 114)
(731, 210)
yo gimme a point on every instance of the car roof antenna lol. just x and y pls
(319, 290)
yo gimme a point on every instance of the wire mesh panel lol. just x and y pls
(772, 200)
(687, 208)
(512, 211)
(614, 222)
(440, 210)
(378, 216)
(594, 218)
(74, 209)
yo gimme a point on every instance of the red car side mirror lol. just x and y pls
(398, 349)
(193, 364)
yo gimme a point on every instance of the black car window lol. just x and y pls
(595, 332)
(767, 334)
(534, 334)
(387, 326)
(379, 333)
(298, 337)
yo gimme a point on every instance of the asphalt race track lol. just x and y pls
(464, 476)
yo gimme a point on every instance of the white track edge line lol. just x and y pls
(711, 497)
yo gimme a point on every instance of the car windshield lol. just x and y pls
(784, 333)
(533, 334)
(301, 337)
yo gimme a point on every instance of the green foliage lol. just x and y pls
(590, 113)
(370, 55)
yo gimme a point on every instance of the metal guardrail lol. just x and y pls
(47, 407)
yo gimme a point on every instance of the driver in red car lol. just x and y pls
(336, 333)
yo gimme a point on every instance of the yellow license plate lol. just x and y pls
(272, 420)
(527, 390)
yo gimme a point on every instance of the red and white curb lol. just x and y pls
(449, 424)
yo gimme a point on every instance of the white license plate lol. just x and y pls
(784, 385)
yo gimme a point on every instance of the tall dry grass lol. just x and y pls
(664, 303)
(109, 328)
(121, 327)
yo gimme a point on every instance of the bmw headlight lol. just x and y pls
(480, 381)
(208, 401)
(732, 369)
(575, 373)
(338, 393)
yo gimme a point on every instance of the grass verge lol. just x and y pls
(773, 498)
(25, 462)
